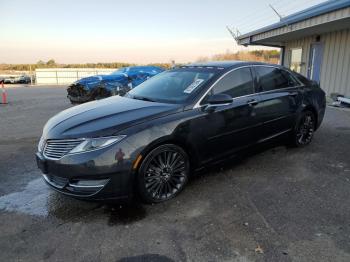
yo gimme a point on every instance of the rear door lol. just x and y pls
(280, 96)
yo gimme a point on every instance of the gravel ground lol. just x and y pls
(271, 204)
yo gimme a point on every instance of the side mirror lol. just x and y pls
(219, 99)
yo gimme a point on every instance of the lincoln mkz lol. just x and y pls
(151, 140)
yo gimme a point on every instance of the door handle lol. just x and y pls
(293, 93)
(253, 102)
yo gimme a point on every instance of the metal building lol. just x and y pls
(314, 42)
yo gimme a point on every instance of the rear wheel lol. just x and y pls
(163, 173)
(304, 130)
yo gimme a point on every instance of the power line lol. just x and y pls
(278, 5)
(265, 16)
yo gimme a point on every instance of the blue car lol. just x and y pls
(117, 83)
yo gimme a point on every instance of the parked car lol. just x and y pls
(23, 79)
(10, 80)
(117, 83)
(151, 140)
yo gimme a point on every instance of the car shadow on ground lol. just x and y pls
(240, 158)
(124, 213)
(37, 199)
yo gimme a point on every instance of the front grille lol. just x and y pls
(57, 148)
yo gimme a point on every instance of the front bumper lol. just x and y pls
(89, 188)
(95, 175)
(77, 93)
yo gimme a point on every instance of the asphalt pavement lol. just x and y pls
(270, 204)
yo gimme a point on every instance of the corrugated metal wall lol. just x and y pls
(313, 21)
(335, 68)
(335, 71)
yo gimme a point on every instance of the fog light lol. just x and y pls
(97, 183)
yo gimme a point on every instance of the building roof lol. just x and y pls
(322, 8)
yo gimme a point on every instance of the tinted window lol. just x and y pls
(303, 79)
(237, 83)
(271, 78)
(291, 80)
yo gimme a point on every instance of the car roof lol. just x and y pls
(226, 64)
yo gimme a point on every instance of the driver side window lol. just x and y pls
(236, 83)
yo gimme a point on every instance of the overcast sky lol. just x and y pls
(139, 31)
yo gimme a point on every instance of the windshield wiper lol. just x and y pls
(143, 98)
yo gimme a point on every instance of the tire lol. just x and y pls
(304, 130)
(163, 173)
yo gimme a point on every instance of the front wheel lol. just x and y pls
(163, 173)
(304, 130)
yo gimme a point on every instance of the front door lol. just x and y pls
(228, 128)
(315, 61)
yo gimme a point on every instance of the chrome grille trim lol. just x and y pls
(57, 148)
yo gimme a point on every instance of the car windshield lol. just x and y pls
(173, 86)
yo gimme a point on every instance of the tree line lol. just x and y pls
(52, 64)
(269, 56)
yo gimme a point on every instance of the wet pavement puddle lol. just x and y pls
(32, 200)
(126, 214)
(37, 199)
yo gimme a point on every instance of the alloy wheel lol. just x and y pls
(165, 173)
(306, 129)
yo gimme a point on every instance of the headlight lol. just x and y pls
(96, 143)
(41, 144)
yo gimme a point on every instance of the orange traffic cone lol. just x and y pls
(4, 94)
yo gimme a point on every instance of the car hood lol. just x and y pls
(104, 117)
